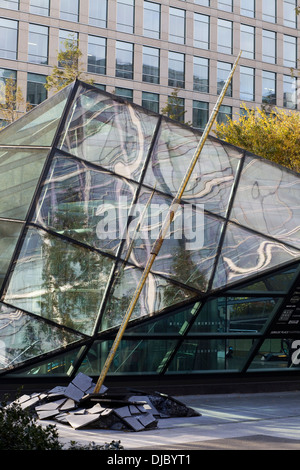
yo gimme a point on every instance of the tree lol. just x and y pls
(69, 66)
(174, 108)
(274, 135)
(12, 103)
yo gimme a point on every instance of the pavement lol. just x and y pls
(256, 421)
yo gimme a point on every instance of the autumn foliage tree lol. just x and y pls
(12, 103)
(69, 66)
(274, 135)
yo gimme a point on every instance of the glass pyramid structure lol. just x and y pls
(86, 181)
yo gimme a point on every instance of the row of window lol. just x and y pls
(38, 40)
(36, 92)
(269, 9)
(69, 10)
(124, 67)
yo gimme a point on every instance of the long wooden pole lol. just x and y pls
(169, 218)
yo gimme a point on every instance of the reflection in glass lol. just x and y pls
(189, 248)
(20, 170)
(235, 315)
(245, 254)
(59, 365)
(9, 235)
(212, 179)
(24, 337)
(39, 125)
(88, 205)
(156, 295)
(58, 281)
(278, 283)
(267, 200)
(109, 133)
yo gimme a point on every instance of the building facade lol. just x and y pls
(143, 50)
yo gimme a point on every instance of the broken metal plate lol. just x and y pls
(134, 423)
(73, 392)
(80, 421)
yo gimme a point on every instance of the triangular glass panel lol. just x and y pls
(56, 365)
(213, 176)
(84, 203)
(38, 126)
(267, 200)
(246, 254)
(9, 235)
(20, 170)
(156, 295)
(25, 337)
(109, 132)
(278, 282)
(189, 248)
(58, 280)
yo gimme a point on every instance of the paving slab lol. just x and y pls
(233, 421)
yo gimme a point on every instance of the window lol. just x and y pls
(150, 101)
(247, 83)
(289, 13)
(125, 93)
(8, 39)
(224, 113)
(6, 74)
(225, 36)
(223, 71)
(176, 108)
(151, 20)
(248, 41)
(38, 44)
(269, 12)
(289, 51)
(269, 46)
(200, 114)
(151, 64)
(124, 60)
(98, 13)
(269, 87)
(40, 7)
(201, 31)
(69, 10)
(177, 26)
(201, 75)
(225, 5)
(289, 92)
(36, 91)
(97, 55)
(125, 16)
(176, 70)
(248, 8)
(10, 4)
(66, 36)
(204, 3)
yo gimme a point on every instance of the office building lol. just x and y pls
(143, 50)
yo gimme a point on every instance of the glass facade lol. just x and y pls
(91, 192)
